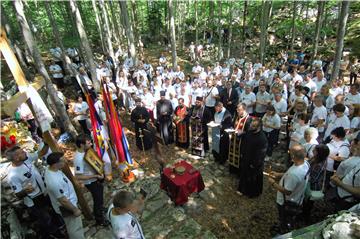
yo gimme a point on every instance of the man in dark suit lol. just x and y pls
(229, 97)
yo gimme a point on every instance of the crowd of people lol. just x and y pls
(244, 106)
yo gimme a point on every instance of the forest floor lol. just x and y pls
(217, 212)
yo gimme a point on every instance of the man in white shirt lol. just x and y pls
(124, 223)
(347, 187)
(192, 52)
(81, 114)
(211, 94)
(195, 91)
(319, 116)
(309, 83)
(57, 74)
(262, 101)
(319, 80)
(291, 188)
(249, 99)
(27, 184)
(353, 97)
(280, 105)
(63, 196)
(87, 175)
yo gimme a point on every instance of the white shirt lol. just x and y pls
(355, 123)
(248, 99)
(262, 98)
(347, 165)
(211, 93)
(318, 83)
(124, 226)
(353, 179)
(336, 91)
(59, 186)
(311, 85)
(274, 121)
(82, 167)
(351, 99)
(281, 106)
(19, 177)
(56, 71)
(293, 180)
(81, 108)
(293, 97)
(148, 101)
(335, 122)
(198, 92)
(339, 148)
(319, 113)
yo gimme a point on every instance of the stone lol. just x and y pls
(207, 194)
(90, 232)
(208, 235)
(102, 234)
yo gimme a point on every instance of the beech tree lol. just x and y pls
(85, 43)
(172, 34)
(40, 66)
(129, 30)
(343, 17)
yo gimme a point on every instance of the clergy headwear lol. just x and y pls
(199, 98)
(162, 93)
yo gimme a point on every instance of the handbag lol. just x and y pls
(316, 195)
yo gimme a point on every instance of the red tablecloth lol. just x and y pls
(180, 187)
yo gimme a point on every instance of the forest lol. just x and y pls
(256, 28)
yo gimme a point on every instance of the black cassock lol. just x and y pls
(226, 123)
(200, 117)
(143, 137)
(253, 152)
(164, 112)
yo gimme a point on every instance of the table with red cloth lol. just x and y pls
(179, 187)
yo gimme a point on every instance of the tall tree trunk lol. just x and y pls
(172, 33)
(65, 59)
(32, 46)
(85, 43)
(14, 43)
(211, 17)
(196, 23)
(306, 20)
(293, 28)
(113, 35)
(117, 26)
(181, 25)
(107, 29)
(343, 16)
(73, 29)
(98, 24)
(129, 30)
(230, 31)
(244, 26)
(220, 51)
(135, 20)
(321, 5)
(264, 22)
